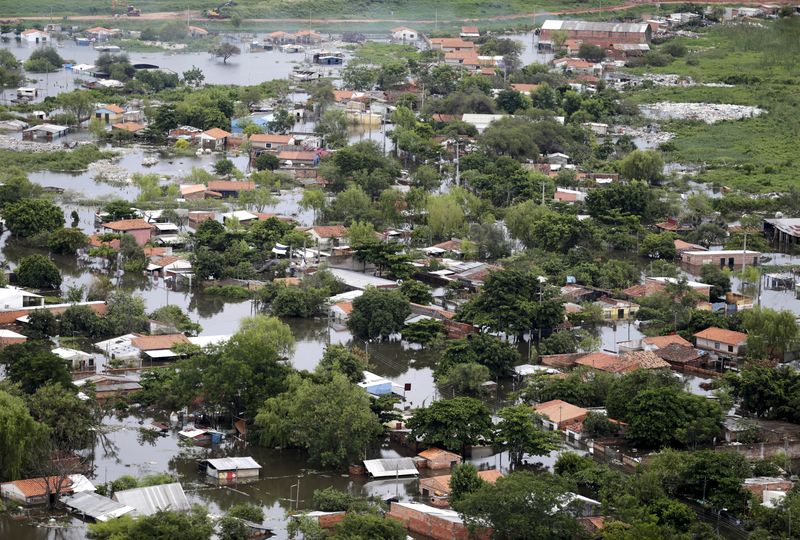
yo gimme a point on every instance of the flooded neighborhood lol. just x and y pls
(522, 276)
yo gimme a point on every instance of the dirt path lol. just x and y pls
(197, 15)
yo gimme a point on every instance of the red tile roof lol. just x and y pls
(272, 138)
(113, 108)
(347, 307)
(37, 487)
(560, 411)
(330, 231)
(95, 241)
(729, 337)
(663, 341)
(127, 225)
(229, 185)
(524, 88)
(131, 127)
(452, 43)
(438, 453)
(599, 360)
(297, 155)
(216, 133)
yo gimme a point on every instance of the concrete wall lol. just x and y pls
(764, 450)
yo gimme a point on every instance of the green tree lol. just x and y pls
(521, 505)
(38, 272)
(645, 165)
(519, 430)
(10, 72)
(193, 77)
(339, 359)
(119, 209)
(20, 436)
(224, 167)
(32, 365)
(445, 216)
(359, 77)
(44, 60)
(632, 199)
(69, 419)
(267, 162)
(125, 313)
(313, 199)
(173, 315)
(464, 480)
(67, 241)
(592, 53)
(658, 246)
(511, 101)
(332, 127)
(716, 277)
(378, 313)
(497, 355)
(41, 324)
(464, 379)
(416, 292)
(163, 525)
(770, 333)
(331, 420)
(355, 526)
(452, 424)
(225, 50)
(29, 217)
(282, 121)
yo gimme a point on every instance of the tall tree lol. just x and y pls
(453, 424)
(29, 217)
(522, 434)
(378, 313)
(20, 436)
(522, 505)
(225, 50)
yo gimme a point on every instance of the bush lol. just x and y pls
(67, 241)
(676, 50)
(38, 272)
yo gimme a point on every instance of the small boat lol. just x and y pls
(107, 48)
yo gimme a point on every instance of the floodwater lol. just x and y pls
(248, 68)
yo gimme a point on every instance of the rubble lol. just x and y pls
(17, 145)
(651, 136)
(709, 113)
(107, 171)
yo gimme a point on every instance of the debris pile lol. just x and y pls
(710, 113)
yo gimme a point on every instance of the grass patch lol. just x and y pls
(58, 161)
(757, 154)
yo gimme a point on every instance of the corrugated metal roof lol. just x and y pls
(382, 468)
(149, 500)
(96, 506)
(233, 463)
(594, 26)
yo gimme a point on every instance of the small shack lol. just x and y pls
(231, 468)
(48, 132)
(437, 459)
(387, 468)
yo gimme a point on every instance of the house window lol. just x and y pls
(730, 348)
(716, 346)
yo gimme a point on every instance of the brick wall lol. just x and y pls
(330, 521)
(432, 526)
(758, 489)
(9, 317)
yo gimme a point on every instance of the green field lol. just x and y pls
(406, 9)
(759, 154)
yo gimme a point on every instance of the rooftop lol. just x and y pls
(152, 343)
(127, 225)
(560, 411)
(587, 26)
(662, 341)
(729, 337)
(151, 499)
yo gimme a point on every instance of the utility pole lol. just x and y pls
(458, 165)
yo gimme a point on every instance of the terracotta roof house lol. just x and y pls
(558, 414)
(340, 311)
(451, 44)
(659, 342)
(306, 158)
(720, 342)
(193, 191)
(600, 361)
(469, 32)
(109, 113)
(327, 236)
(672, 225)
(138, 228)
(270, 141)
(34, 491)
(151, 343)
(681, 246)
(214, 139)
(436, 458)
(229, 188)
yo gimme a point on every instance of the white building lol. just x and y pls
(14, 298)
(403, 33)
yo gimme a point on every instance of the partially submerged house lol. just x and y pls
(437, 488)
(230, 468)
(159, 347)
(229, 188)
(36, 491)
(110, 114)
(213, 139)
(140, 229)
(48, 132)
(437, 459)
(559, 415)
